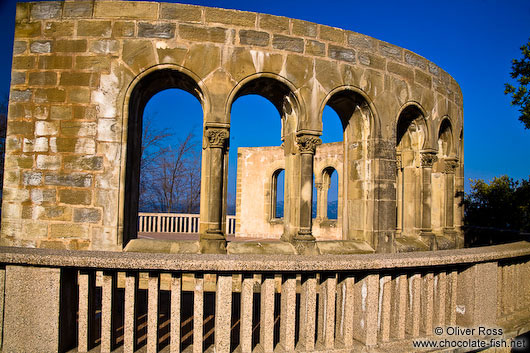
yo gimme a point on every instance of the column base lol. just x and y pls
(212, 242)
(428, 237)
(306, 247)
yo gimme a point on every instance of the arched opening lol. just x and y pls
(410, 138)
(140, 144)
(330, 194)
(257, 151)
(355, 192)
(444, 181)
(277, 193)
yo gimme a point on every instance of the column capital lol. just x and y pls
(428, 158)
(216, 137)
(450, 165)
(308, 144)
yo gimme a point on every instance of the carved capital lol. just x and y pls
(308, 144)
(217, 137)
(450, 165)
(428, 159)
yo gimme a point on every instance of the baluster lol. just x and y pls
(345, 309)
(175, 313)
(198, 313)
(140, 223)
(428, 302)
(308, 307)
(109, 279)
(326, 310)
(415, 304)
(385, 304)
(451, 307)
(129, 328)
(399, 309)
(288, 311)
(440, 299)
(87, 287)
(267, 313)
(223, 313)
(152, 313)
(247, 299)
(365, 326)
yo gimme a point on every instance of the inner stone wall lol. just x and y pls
(76, 64)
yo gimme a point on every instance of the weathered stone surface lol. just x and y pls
(204, 34)
(123, 29)
(288, 43)
(75, 79)
(46, 10)
(59, 29)
(331, 34)
(83, 162)
(75, 197)
(27, 30)
(358, 40)
(41, 46)
(230, 17)
(43, 78)
(391, 51)
(126, 9)
(68, 230)
(180, 12)
(254, 38)
(55, 62)
(274, 24)
(87, 215)
(138, 54)
(70, 45)
(94, 63)
(72, 179)
(314, 47)
(341, 53)
(156, 30)
(94, 28)
(19, 47)
(304, 28)
(21, 96)
(23, 62)
(105, 46)
(51, 95)
(78, 9)
(415, 60)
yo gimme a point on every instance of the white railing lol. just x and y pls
(176, 223)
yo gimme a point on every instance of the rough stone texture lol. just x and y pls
(21, 285)
(76, 65)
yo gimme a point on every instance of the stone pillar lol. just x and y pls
(399, 195)
(306, 146)
(450, 165)
(213, 240)
(321, 211)
(428, 158)
(459, 204)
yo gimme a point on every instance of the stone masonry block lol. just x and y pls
(94, 63)
(126, 9)
(78, 95)
(87, 215)
(123, 29)
(46, 128)
(46, 10)
(22, 12)
(401, 70)
(83, 163)
(60, 112)
(25, 128)
(138, 54)
(94, 28)
(78, 9)
(27, 30)
(48, 162)
(32, 178)
(41, 46)
(20, 96)
(249, 37)
(332, 34)
(20, 47)
(75, 197)
(313, 47)
(358, 40)
(69, 180)
(180, 12)
(274, 24)
(391, 51)
(341, 53)
(230, 17)
(55, 62)
(108, 46)
(52, 95)
(70, 46)
(304, 28)
(42, 78)
(73, 78)
(23, 62)
(69, 230)
(18, 78)
(156, 30)
(288, 43)
(205, 34)
(59, 29)
(78, 128)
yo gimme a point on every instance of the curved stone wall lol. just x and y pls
(74, 115)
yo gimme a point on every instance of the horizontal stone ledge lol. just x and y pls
(258, 263)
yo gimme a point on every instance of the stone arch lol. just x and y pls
(139, 92)
(445, 140)
(411, 138)
(324, 177)
(274, 193)
(361, 128)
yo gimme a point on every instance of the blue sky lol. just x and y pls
(474, 41)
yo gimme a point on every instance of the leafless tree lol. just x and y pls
(170, 172)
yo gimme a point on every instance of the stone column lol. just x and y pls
(399, 195)
(213, 240)
(428, 158)
(450, 165)
(320, 210)
(306, 146)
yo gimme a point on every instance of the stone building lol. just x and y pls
(84, 71)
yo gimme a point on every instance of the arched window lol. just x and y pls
(410, 138)
(147, 87)
(277, 193)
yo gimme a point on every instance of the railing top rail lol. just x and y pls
(257, 263)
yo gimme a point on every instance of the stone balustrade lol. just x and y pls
(183, 302)
(176, 223)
